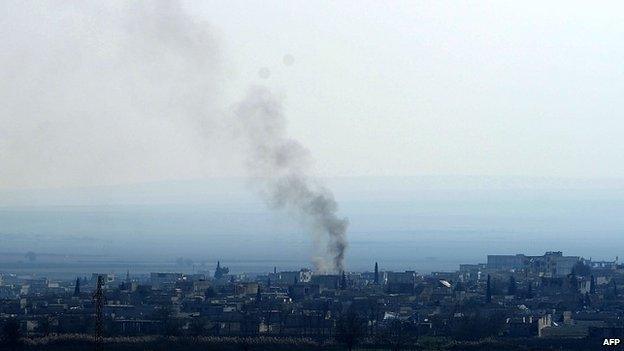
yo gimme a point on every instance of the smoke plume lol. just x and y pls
(280, 167)
(126, 92)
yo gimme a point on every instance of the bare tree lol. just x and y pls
(285, 312)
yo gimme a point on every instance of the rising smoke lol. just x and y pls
(280, 166)
(111, 92)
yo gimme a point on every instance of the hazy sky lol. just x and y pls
(100, 94)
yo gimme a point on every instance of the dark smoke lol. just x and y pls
(279, 166)
(111, 92)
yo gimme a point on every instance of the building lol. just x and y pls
(551, 264)
(291, 277)
(164, 281)
(506, 262)
(327, 281)
(401, 282)
(554, 264)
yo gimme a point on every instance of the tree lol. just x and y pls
(581, 269)
(376, 274)
(459, 286)
(349, 329)
(612, 292)
(512, 288)
(398, 334)
(197, 327)
(249, 325)
(165, 316)
(373, 309)
(259, 294)
(587, 301)
(573, 283)
(11, 333)
(474, 326)
(285, 311)
(77, 287)
(210, 292)
(44, 326)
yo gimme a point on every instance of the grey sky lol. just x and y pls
(376, 88)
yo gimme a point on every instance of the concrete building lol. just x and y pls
(164, 281)
(401, 282)
(327, 281)
(506, 262)
(551, 264)
(291, 277)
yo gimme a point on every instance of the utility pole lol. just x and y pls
(98, 300)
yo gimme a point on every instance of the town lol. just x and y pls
(544, 300)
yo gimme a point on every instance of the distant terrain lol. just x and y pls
(422, 223)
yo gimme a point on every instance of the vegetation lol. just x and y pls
(11, 334)
(79, 342)
(350, 328)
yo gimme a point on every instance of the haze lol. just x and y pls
(504, 117)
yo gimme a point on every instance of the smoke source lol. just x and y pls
(280, 167)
